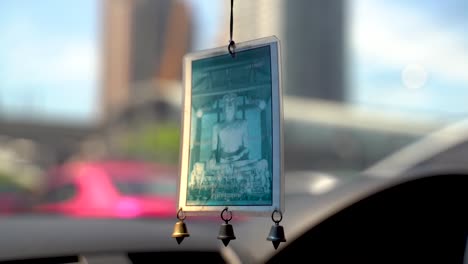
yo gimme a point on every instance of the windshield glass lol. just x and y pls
(93, 86)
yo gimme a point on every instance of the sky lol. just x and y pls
(207, 23)
(49, 59)
(49, 54)
(406, 56)
(410, 56)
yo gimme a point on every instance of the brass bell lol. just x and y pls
(276, 235)
(180, 229)
(226, 233)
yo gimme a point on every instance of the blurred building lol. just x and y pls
(116, 52)
(144, 44)
(48, 143)
(312, 34)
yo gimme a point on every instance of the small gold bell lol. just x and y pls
(276, 235)
(226, 231)
(180, 229)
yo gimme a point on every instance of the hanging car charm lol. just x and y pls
(231, 156)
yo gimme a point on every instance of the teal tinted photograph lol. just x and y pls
(231, 130)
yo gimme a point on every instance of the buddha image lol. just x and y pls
(237, 176)
(230, 137)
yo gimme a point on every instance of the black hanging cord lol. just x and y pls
(232, 44)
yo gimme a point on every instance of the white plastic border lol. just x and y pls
(277, 129)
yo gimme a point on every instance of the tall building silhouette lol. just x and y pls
(312, 34)
(144, 44)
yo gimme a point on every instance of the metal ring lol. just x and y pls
(181, 215)
(222, 215)
(273, 216)
(232, 48)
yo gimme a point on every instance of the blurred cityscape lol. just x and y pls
(136, 111)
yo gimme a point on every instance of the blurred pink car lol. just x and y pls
(110, 189)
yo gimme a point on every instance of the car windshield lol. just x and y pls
(90, 85)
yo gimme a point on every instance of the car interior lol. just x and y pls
(420, 221)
